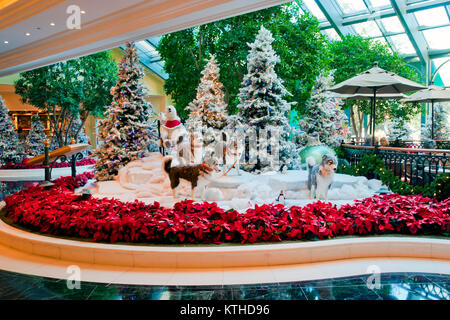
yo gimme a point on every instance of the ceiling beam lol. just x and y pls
(334, 16)
(426, 5)
(412, 30)
(386, 13)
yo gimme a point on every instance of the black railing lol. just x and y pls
(415, 166)
(424, 144)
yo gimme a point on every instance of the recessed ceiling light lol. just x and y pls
(52, 24)
(82, 12)
(5, 42)
(27, 34)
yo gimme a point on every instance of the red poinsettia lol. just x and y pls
(60, 211)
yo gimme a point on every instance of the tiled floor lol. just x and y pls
(393, 286)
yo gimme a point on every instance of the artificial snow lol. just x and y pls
(146, 181)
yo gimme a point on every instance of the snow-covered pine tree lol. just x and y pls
(263, 109)
(399, 129)
(208, 112)
(125, 129)
(36, 136)
(11, 149)
(73, 130)
(441, 126)
(209, 105)
(324, 117)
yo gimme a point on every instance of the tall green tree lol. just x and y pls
(63, 89)
(298, 42)
(355, 54)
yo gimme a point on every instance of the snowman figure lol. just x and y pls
(174, 137)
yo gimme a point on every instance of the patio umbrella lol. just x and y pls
(362, 96)
(375, 81)
(431, 94)
(382, 96)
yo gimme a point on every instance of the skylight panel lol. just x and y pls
(381, 40)
(392, 24)
(314, 8)
(148, 48)
(352, 6)
(380, 3)
(438, 38)
(432, 17)
(402, 44)
(332, 34)
(368, 29)
(444, 71)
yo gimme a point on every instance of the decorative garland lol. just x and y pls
(372, 166)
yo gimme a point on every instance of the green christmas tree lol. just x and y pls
(11, 149)
(36, 137)
(125, 129)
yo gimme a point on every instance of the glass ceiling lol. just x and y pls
(417, 29)
(149, 56)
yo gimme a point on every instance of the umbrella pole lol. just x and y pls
(432, 120)
(373, 115)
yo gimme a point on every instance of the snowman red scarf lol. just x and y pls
(170, 124)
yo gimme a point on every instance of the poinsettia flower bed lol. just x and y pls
(23, 165)
(59, 211)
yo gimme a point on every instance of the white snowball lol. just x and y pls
(213, 194)
(240, 203)
(374, 184)
(362, 179)
(244, 190)
(347, 192)
(263, 191)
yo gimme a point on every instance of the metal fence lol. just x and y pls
(414, 165)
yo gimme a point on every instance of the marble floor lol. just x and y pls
(392, 286)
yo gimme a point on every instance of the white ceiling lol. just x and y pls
(104, 25)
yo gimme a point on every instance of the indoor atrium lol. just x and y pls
(225, 150)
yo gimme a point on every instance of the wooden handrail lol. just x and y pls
(411, 150)
(354, 146)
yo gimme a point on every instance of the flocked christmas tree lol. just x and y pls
(125, 129)
(77, 129)
(209, 106)
(36, 137)
(324, 119)
(263, 109)
(441, 125)
(399, 129)
(208, 112)
(11, 149)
